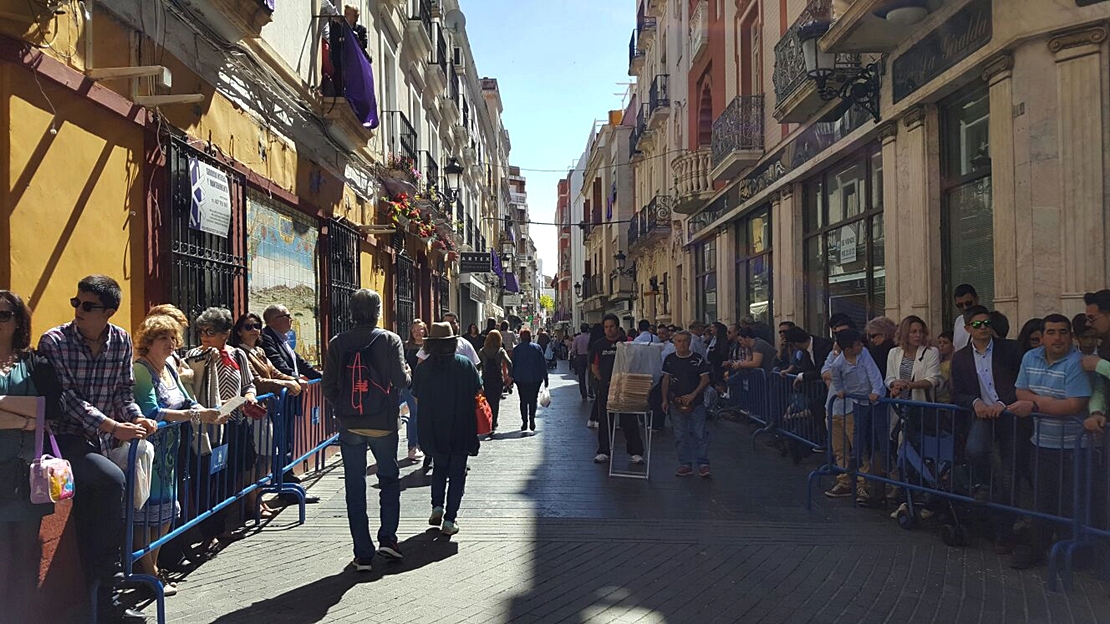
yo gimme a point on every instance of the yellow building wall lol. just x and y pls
(73, 201)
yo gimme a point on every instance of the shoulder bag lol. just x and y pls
(51, 476)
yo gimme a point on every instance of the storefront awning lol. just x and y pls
(511, 285)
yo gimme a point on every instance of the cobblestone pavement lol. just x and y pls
(548, 536)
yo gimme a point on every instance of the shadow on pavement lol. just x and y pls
(312, 602)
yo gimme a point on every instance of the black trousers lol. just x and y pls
(630, 425)
(493, 397)
(529, 395)
(97, 506)
(582, 369)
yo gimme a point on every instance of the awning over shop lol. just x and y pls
(511, 285)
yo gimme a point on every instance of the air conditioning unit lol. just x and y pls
(458, 59)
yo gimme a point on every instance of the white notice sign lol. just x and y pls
(211, 199)
(847, 244)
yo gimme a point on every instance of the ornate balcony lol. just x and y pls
(419, 28)
(737, 137)
(699, 29)
(645, 29)
(650, 224)
(400, 136)
(594, 286)
(430, 168)
(636, 57)
(796, 95)
(437, 62)
(645, 136)
(659, 102)
(691, 171)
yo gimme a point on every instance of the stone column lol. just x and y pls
(912, 252)
(888, 134)
(999, 75)
(789, 261)
(1083, 235)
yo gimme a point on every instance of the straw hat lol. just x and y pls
(440, 332)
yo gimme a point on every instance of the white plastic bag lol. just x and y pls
(144, 467)
(545, 397)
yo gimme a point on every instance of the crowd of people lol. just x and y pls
(104, 389)
(1015, 403)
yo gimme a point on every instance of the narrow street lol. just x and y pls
(547, 536)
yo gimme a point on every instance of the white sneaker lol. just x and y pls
(449, 528)
(169, 589)
(592, 424)
(415, 454)
(637, 459)
(601, 458)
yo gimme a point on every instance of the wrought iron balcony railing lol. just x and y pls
(739, 128)
(593, 286)
(441, 49)
(402, 137)
(430, 168)
(654, 218)
(422, 10)
(659, 96)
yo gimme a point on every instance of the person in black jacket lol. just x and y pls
(284, 358)
(984, 374)
(377, 432)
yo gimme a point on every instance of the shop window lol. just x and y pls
(967, 211)
(705, 281)
(844, 260)
(753, 266)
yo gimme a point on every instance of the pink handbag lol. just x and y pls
(51, 476)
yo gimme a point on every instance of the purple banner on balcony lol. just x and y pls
(359, 79)
(496, 264)
(511, 285)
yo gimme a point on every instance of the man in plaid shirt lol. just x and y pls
(93, 361)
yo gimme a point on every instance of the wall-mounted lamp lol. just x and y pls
(860, 86)
(902, 12)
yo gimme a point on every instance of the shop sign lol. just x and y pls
(475, 262)
(511, 301)
(848, 244)
(211, 199)
(965, 32)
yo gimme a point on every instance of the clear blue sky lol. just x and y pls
(558, 64)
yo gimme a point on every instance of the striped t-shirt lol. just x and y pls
(1063, 379)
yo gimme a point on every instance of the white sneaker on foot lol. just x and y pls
(637, 459)
(449, 528)
(415, 454)
(601, 458)
(592, 424)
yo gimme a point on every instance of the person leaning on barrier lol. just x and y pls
(377, 431)
(785, 353)
(1052, 385)
(93, 360)
(879, 332)
(984, 374)
(762, 352)
(1086, 340)
(275, 342)
(160, 394)
(913, 367)
(184, 372)
(810, 353)
(24, 377)
(853, 373)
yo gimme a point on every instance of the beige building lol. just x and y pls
(981, 160)
(607, 198)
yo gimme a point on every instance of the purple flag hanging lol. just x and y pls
(359, 79)
(496, 261)
(511, 285)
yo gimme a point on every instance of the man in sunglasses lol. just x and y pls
(277, 347)
(984, 374)
(93, 361)
(964, 297)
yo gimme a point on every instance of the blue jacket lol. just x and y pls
(529, 365)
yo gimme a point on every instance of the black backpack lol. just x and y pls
(491, 368)
(365, 389)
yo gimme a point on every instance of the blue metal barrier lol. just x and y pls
(196, 475)
(308, 428)
(748, 395)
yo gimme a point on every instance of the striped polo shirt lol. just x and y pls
(1063, 379)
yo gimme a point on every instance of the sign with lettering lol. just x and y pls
(210, 209)
(475, 262)
(966, 31)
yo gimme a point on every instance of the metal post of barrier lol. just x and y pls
(281, 416)
(311, 432)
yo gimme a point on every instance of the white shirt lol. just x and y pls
(462, 347)
(984, 367)
(697, 345)
(960, 337)
(646, 337)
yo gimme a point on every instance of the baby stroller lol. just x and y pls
(549, 355)
(930, 455)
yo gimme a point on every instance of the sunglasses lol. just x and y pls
(6, 315)
(87, 306)
(981, 324)
(251, 327)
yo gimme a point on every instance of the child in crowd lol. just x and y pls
(947, 349)
(854, 374)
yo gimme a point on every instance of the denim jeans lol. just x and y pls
(353, 447)
(691, 438)
(448, 481)
(529, 393)
(410, 431)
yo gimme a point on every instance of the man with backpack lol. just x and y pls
(363, 376)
